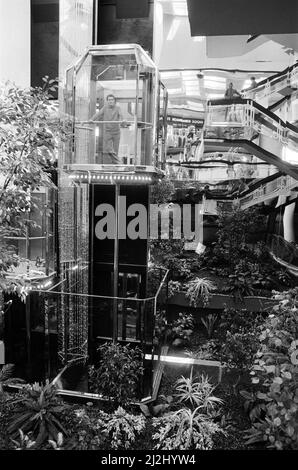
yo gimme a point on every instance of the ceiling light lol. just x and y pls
(198, 38)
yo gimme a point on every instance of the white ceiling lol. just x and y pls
(219, 59)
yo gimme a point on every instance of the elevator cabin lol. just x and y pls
(113, 103)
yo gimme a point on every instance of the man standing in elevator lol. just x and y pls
(111, 116)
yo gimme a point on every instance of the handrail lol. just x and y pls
(249, 116)
(273, 188)
(279, 76)
(283, 249)
(254, 104)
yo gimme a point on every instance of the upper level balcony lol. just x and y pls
(248, 126)
(112, 104)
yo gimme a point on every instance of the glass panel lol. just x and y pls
(84, 152)
(284, 250)
(68, 117)
(105, 110)
(146, 116)
(115, 112)
(36, 247)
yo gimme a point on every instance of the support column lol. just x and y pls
(288, 222)
(116, 265)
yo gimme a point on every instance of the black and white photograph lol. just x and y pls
(149, 230)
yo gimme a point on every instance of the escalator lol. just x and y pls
(249, 127)
(272, 91)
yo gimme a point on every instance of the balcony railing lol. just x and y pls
(283, 250)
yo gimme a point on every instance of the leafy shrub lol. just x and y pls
(39, 414)
(196, 392)
(235, 230)
(24, 442)
(174, 287)
(159, 409)
(6, 376)
(209, 322)
(235, 320)
(163, 249)
(199, 289)
(119, 372)
(181, 329)
(167, 254)
(120, 428)
(161, 327)
(275, 377)
(240, 284)
(162, 191)
(183, 430)
(82, 426)
(179, 267)
(208, 350)
(59, 443)
(7, 408)
(237, 337)
(238, 349)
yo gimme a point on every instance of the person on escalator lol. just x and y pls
(253, 83)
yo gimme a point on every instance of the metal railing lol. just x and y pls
(281, 186)
(283, 249)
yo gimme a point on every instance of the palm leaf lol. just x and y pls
(6, 372)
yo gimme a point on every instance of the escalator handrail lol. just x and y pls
(247, 101)
(278, 76)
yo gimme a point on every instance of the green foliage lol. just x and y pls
(209, 322)
(181, 329)
(159, 409)
(161, 327)
(240, 285)
(177, 332)
(6, 378)
(39, 413)
(237, 336)
(238, 349)
(174, 287)
(29, 139)
(196, 392)
(83, 432)
(120, 428)
(183, 430)
(162, 191)
(235, 320)
(206, 351)
(274, 404)
(235, 229)
(168, 254)
(57, 444)
(24, 442)
(199, 290)
(118, 374)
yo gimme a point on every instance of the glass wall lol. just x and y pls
(114, 112)
(35, 249)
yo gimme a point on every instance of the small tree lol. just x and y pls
(118, 374)
(29, 139)
(235, 229)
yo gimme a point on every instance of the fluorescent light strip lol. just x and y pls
(180, 360)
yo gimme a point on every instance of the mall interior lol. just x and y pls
(208, 101)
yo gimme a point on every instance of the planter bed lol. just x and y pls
(220, 301)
